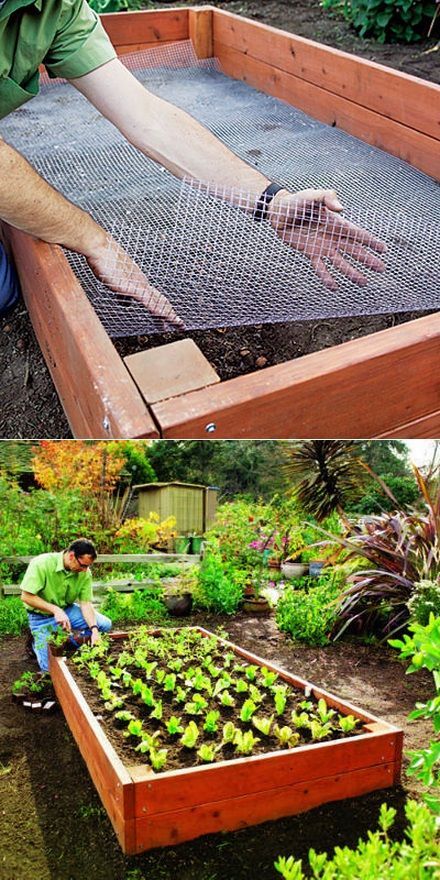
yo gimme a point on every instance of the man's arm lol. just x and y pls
(308, 221)
(40, 604)
(29, 203)
(88, 613)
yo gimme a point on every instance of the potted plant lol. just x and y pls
(178, 598)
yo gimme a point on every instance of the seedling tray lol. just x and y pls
(149, 810)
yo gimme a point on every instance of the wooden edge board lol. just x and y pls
(97, 392)
(148, 26)
(351, 390)
(168, 829)
(420, 150)
(427, 426)
(396, 95)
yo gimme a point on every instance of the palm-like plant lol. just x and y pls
(404, 547)
(326, 475)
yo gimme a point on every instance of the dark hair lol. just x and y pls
(82, 547)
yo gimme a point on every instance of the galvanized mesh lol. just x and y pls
(199, 246)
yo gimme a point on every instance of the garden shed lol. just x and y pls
(193, 505)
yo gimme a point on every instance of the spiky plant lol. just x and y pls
(326, 475)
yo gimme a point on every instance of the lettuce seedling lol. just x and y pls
(319, 731)
(347, 723)
(169, 682)
(113, 703)
(135, 728)
(124, 716)
(174, 726)
(255, 694)
(247, 710)
(251, 672)
(241, 686)
(227, 700)
(181, 694)
(268, 677)
(221, 685)
(211, 720)
(207, 753)
(196, 706)
(263, 724)
(245, 742)
(324, 713)
(286, 736)
(157, 711)
(300, 720)
(280, 699)
(160, 675)
(229, 732)
(190, 735)
(158, 758)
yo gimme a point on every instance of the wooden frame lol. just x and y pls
(149, 810)
(383, 385)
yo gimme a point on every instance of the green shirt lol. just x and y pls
(46, 576)
(64, 35)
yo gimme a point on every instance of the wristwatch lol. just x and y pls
(95, 626)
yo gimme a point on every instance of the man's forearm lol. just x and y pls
(35, 601)
(88, 613)
(164, 132)
(29, 203)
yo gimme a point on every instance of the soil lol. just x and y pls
(54, 827)
(29, 406)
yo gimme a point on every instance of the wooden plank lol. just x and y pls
(420, 150)
(139, 28)
(200, 23)
(350, 390)
(95, 388)
(175, 558)
(139, 47)
(399, 96)
(169, 829)
(428, 426)
(113, 782)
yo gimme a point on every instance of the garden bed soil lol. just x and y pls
(54, 827)
(29, 406)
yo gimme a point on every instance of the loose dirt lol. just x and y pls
(53, 824)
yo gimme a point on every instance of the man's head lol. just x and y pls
(79, 555)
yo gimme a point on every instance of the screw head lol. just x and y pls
(210, 427)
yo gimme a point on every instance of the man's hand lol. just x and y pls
(95, 637)
(309, 221)
(62, 619)
(113, 266)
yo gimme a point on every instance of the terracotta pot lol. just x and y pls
(274, 563)
(179, 606)
(256, 605)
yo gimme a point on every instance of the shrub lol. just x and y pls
(13, 617)
(387, 21)
(140, 535)
(378, 856)
(425, 601)
(220, 585)
(141, 605)
(309, 616)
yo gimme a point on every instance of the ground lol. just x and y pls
(53, 825)
(29, 406)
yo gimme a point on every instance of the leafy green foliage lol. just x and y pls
(387, 21)
(220, 585)
(141, 605)
(190, 735)
(309, 617)
(326, 475)
(425, 601)
(379, 855)
(13, 617)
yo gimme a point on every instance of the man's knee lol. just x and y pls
(104, 623)
(9, 286)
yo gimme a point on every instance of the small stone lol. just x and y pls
(244, 352)
(7, 328)
(21, 345)
(261, 361)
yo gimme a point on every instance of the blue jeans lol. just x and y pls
(9, 287)
(42, 627)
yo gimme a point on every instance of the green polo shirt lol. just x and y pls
(64, 35)
(46, 576)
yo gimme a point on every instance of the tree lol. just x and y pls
(386, 456)
(76, 464)
(326, 475)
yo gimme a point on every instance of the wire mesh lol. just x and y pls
(198, 245)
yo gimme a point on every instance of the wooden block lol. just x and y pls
(200, 31)
(164, 372)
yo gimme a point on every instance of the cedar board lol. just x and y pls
(350, 390)
(149, 810)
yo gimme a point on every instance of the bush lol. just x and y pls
(140, 535)
(220, 585)
(378, 856)
(425, 601)
(141, 605)
(387, 21)
(13, 617)
(309, 616)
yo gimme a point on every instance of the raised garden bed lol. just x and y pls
(227, 789)
(339, 391)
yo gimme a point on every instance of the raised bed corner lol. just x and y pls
(150, 810)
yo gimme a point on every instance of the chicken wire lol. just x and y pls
(199, 246)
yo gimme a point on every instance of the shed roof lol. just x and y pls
(173, 483)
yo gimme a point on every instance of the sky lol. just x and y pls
(420, 451)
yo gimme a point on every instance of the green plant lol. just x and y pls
(157, 758)
(378, 856)
(220, 585)
(263, 725)
(211, 721)
(190, 736)
(145, 604)
(309, 617)
(247, 710)
(387, 21)
(228, 732)
(13, 617)
(207, 752)
(347, 723)
(174, 726)
(425, 601)
(34, 682)
(285, 735)
(244, 742)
